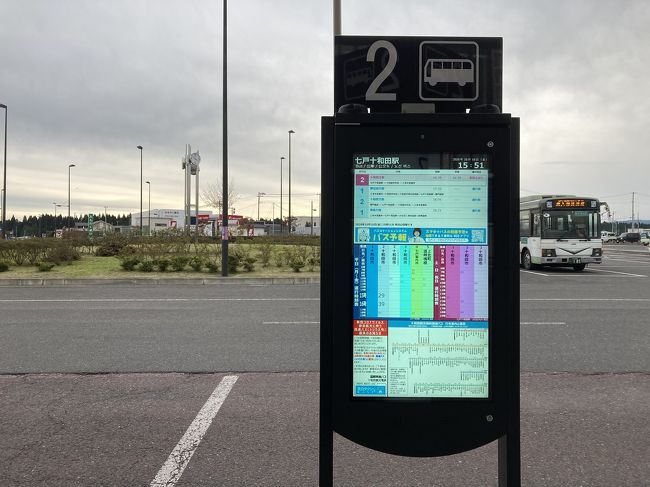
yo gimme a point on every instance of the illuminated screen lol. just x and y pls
(572, 203)
(420, 276)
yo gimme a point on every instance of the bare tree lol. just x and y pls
(212, 195)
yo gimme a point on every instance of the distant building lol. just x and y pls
(163, 219)
(302, 225)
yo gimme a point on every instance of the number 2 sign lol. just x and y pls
(398, 74)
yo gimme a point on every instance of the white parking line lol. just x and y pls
(587, 299)
(534, 273)
(129, 300)
(617, 272)
(290, 322)
(180, 456)
(543, 323)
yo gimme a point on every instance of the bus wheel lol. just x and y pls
(579, 267)
(526, 260)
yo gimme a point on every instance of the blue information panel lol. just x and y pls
(420, 276)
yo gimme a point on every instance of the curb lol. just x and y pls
(211, 281)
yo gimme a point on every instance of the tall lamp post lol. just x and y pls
(281, 167)
(149, 210)
(290, 132)
(70, 166)
(140, 147)
(4, 180)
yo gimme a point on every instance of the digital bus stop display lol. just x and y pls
(420, 276)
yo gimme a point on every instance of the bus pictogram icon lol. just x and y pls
(448, 70)
(459, 71)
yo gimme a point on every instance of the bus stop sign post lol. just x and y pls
(419, 352)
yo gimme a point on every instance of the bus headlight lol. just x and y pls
(548, 253)
(595, 252)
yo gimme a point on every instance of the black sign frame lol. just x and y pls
(369, 69)
(397, 426)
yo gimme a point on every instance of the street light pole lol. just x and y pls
(290, 132)
(140, 147)
(281, 167)
(4, 180)
(70, 166)
(149, 210)
(258, 204)
(224, 193)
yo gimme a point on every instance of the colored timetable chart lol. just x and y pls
(420, 280)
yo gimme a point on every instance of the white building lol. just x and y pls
(163, 219)
(302, 225)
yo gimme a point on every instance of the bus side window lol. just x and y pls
(537, 227)
(524, 223)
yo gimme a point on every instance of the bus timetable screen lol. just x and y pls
(420, 276)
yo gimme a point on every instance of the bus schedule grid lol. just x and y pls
(433, 198)
(441, 282)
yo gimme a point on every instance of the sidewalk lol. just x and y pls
(196, 281)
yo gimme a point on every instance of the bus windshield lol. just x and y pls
(570, 224)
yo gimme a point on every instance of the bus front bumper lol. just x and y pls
(562, 260)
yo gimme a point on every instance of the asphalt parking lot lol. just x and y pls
(100, 386)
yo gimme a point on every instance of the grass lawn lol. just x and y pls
(109, 267)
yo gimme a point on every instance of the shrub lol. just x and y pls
(129, 263)
(213, 267)
(196, 263)
(4, 267)
(162, 264)
(45, 266)
(111, 245)
(179, 262)
(296, 263)
(63, 252)
(298, 258)
(266, 250)
(146, 266)
(314, 258)
(234, 261)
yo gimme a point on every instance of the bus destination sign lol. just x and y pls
(571, 203)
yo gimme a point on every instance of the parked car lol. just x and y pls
(632, 237)
(645, 238)
(607, 236)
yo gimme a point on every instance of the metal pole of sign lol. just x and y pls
(326, 428)
(184, 167)
(196, 228)
(224, 213)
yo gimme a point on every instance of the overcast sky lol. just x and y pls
(88, 81)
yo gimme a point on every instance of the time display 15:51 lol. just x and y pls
(470, 165)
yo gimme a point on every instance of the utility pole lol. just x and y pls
(632, 219)
(258, 204)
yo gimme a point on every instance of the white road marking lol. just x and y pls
(587, 299)
(290, 322)
(139, 300)
(617, 272)
(535, 273)
(543, 323)
(173, 468)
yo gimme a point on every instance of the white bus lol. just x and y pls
(559, 230)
